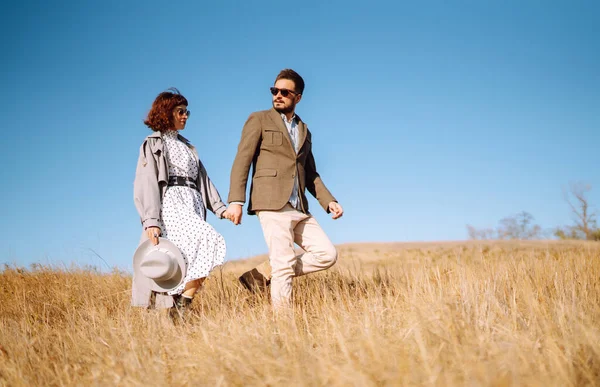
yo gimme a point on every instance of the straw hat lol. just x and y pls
(163, 264)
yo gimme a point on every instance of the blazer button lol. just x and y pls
(293, 175)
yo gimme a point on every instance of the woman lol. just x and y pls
(172, 192)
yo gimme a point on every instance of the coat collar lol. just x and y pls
(301, 132)
(157, 144)
(158, 134)
(275, 116)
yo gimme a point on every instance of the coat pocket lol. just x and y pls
(273, 138)
(265, 173)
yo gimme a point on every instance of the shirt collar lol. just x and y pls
(172, 134)
(286, 120)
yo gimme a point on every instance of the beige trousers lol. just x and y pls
(281, 229)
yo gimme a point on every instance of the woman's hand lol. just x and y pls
(153, 234)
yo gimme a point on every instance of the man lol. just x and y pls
(278, 145)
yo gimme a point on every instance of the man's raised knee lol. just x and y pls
(329, 256)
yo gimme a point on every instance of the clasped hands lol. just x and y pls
(234, 212)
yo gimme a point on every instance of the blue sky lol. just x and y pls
(426, 116)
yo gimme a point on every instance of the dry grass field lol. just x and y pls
(437, 314)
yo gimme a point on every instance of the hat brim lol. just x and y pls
(163, 243)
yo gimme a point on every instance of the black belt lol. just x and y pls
(182, 181)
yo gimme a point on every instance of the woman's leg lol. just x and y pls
(192, 287)
(182, 302)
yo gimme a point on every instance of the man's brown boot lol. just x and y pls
(254, 281)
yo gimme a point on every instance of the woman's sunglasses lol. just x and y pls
(182, 112)
(284, 92)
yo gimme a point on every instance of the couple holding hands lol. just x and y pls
(172, 192)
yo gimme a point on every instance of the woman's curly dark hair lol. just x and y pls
(160, 116)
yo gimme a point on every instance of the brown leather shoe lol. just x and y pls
(254, 281)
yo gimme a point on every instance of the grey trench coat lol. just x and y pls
(149, 187)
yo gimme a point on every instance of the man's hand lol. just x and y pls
(336, 210)
(153, 233)
(234, 213)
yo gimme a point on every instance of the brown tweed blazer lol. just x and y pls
(266, 146)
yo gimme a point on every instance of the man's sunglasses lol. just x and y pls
(181, 112)
(284, 92)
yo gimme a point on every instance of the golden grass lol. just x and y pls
(494, 314)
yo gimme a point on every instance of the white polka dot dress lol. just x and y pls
(202, 247)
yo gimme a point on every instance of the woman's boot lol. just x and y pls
(181, 308)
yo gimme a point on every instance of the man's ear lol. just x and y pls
(298, 97)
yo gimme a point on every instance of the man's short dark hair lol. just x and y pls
(292, 76)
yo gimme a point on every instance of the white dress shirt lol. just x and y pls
(292, 127)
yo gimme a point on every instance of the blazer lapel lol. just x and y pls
(276, 118)
(301, 133)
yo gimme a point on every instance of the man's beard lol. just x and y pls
(285, 110)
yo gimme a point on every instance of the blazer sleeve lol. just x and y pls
(146, 193)
(315, 185)
(247, 148)
(211, 197)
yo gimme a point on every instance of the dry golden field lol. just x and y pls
(437, 314)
